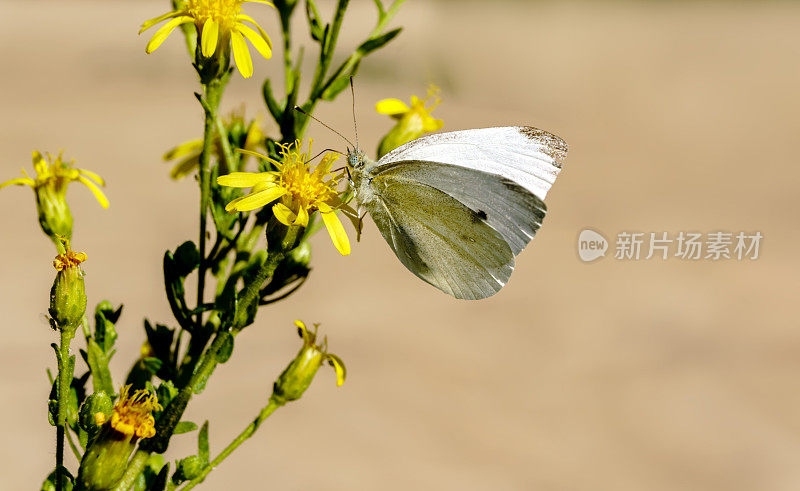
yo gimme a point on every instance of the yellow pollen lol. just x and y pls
(132, 413)
(223, 12)
(99, 418)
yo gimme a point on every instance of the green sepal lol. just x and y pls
(188, 468)
(184, 427)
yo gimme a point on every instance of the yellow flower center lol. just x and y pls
(132, 413)
(305, 185)
(223, 12)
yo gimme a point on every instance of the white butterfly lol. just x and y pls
(456, 208)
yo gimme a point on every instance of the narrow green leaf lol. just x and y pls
(184, 427)
(202, 443)
(372, 44)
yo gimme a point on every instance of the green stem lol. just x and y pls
(213, 94)
(241, 438)
(64, 382)
(286, 27)
(135, 467)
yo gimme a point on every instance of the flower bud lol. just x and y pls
(189, 468)
(297, 377)
(106, 459)
(68, 294)
(95, 411)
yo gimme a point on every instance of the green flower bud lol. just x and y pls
(106, 459)
(188, 468)
(297, 377)
(68, 294)
(95, 411)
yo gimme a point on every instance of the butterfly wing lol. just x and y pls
(528, 156)
(439, 239)
(506, 206)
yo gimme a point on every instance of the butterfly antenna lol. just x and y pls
(299, 109)
(353, 94)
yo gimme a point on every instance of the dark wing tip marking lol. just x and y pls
(554, 146)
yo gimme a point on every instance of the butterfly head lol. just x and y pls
(356, 158)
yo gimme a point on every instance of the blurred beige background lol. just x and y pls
(643, 375)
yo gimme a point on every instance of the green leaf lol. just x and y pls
(160, 482)
(316, 30)
(202, 443)
(187, 258)
(105, 317)
(165, 393)
(224, 353)
(338, 85)
(67, 481)
(97, 360)
(184, 427)
(374, 43)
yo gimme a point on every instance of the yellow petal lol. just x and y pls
(258, 42)
(241, 55)
(284, 214)
(256, 200)
(244, 179)
(338, 365)
(247, 18)
(431, 124)
(165, 31)
(209, 37)
(91, 175)
(392, 107)
(337, 233)
(185, 167)
(39, 163)
(150, 23)
(302, 217)
(98, 194)
(185, 148)
(20, 181)
(265, 2)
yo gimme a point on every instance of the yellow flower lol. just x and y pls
(412, 122)
(132, 415)
(50, 188)
(108, 454)
(188, 153)
(297, 377)
(218, 22)
(301, 190)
